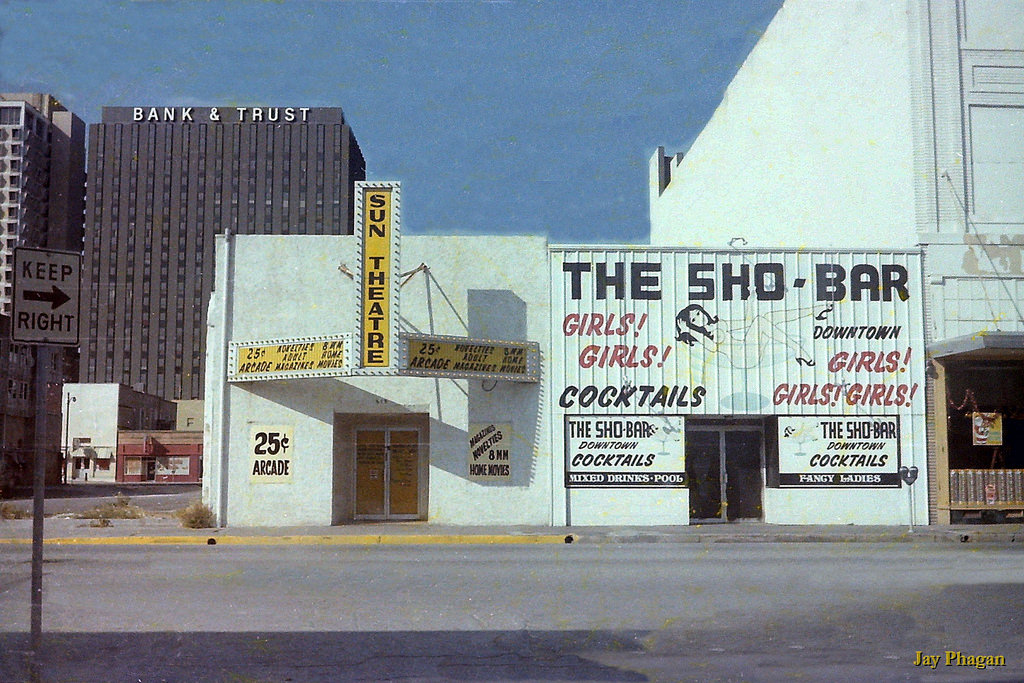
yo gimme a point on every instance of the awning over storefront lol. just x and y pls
(980, 345)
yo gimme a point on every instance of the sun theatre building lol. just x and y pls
(376, 377)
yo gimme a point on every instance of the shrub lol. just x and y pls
(12, 511)
(119, 508)
(197, 515)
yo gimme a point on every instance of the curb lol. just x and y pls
(409, 539)
(1005, 538)
(214, 538)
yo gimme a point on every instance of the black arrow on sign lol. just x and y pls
(55, 296)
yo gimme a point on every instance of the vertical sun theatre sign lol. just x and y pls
(377, 228)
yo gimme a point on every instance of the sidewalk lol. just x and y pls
(166, 530)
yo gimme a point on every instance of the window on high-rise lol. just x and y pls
(10, 116)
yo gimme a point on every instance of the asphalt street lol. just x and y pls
(598, 612)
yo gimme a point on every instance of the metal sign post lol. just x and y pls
(38, 507)
(909, 476)
(45, 312)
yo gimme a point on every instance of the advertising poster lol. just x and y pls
(987, 429)
(839, 451)
(489, 448)
(624, 451)
(464, 357)
(271, 448)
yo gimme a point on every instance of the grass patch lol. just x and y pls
(12, 511)
(120, 508)
(196, 516)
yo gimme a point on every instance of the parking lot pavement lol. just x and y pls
(75, 498)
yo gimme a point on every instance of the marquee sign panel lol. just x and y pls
(298, 357)
(467, 358)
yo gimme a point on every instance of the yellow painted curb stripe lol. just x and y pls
(410, 539)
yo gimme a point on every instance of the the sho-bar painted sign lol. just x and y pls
(46, 294)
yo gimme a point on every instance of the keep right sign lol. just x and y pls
(46, 295)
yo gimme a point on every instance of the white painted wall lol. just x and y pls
(294, 286)
(971, 177)
(976, 285)
(861, 506)
(812, 143)
(90, 412)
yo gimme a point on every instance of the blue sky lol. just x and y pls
(498, 117)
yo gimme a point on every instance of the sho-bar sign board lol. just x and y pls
(46, 294)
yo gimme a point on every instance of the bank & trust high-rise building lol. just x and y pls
(162, 182)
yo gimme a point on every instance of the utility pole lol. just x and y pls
(66, 456)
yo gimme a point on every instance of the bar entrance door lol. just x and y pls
(724, 465)
(387, 474)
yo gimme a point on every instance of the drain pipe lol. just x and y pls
(222, 411)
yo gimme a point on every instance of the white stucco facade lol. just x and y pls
(284, 287)
(970, 182)
(887, 125)
(90, 414)
(811, 145)
(574, 457)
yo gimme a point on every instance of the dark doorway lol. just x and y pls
(725, 466)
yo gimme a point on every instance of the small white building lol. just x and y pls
(93, 415)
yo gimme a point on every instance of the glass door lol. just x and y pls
(724, 465)
(704, 472)
(387, 474)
